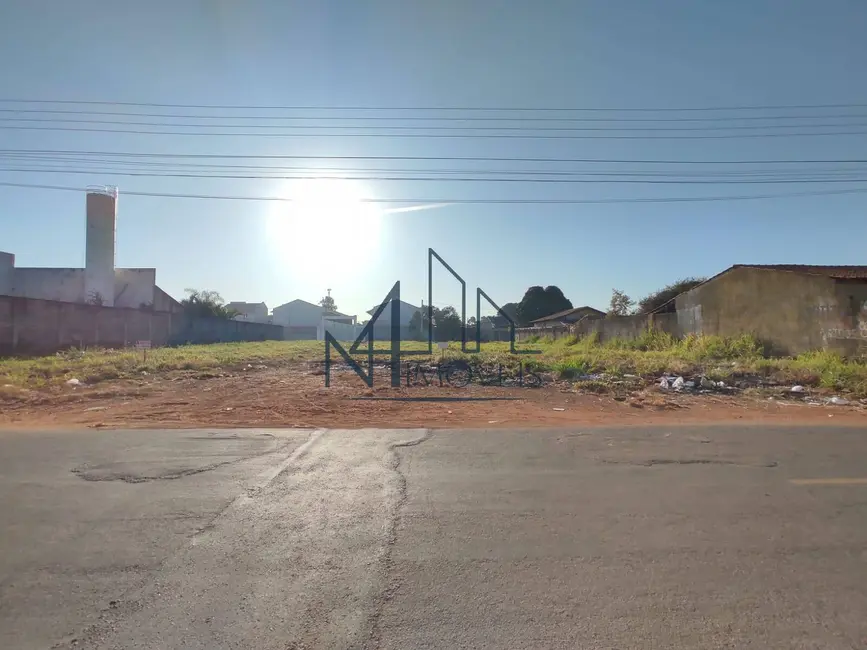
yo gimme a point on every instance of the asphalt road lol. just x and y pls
(290, 540)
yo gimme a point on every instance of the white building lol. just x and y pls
(300, 313)
(405, 309)
(99, 282)
(305, 320)
(256, 312)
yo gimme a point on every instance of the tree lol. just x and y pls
(511, 309)
(447, 324)
(328, 303)
(657, 299)
(620, 304)
(446, 321)
(538, 302)
(206, 304)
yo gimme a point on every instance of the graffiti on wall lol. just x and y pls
(851, 334)
(857, 333)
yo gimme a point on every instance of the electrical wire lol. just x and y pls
(415, 118)
(437, 108)
(645, 181)
(458, 201)
(495, 159)
(85, 162)
(505, 136)
(343, 127)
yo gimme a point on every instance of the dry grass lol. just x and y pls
(648, 356)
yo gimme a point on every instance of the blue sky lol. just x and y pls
(594, 53)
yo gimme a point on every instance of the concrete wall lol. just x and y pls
(850, 336)
(613, 327)
(134, 287)
(340, 331)
(7, 270)
(29, 326)
(66, 285)
(792, 312)
(164, 302)
(616, 327)
(218, 330)
(551, 331)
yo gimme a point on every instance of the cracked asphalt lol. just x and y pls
(679, 537)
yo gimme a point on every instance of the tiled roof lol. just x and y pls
(837, 272)
(566, 312)
(830, 271)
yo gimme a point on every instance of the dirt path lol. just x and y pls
(297, 398)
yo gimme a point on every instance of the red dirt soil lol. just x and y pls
(297, 398)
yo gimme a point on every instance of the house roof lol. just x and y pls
(836, 272)
(402, 302)
(299, 300)
(237, 304)
(567, 312)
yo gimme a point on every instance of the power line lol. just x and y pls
(506, 136)
(441, 118)
(838, 161)
(344, 127)
(682, 199)
(436, 108)
(184, 166)
(644, 181)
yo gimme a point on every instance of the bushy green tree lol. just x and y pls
(538, 302)
(206, 304)
(621, 304)
(658, 299)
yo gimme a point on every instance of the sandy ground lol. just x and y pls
(297, 397)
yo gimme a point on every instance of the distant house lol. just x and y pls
(567, 317)
(302, 318)
(256, 312)
(406, 312)
(382, 327)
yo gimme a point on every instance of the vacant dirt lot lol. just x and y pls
(297, 397)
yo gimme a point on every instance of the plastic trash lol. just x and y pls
(838, 401)
(677, 384)
(704, 382)
(798, 389)
(689, 384)
(557, 408)
(663, 383)
(73, 382)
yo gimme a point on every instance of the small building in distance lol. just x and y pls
(255, 312)
(99, 282)
(568, 317)
(382, 326)
(302, 319)
(791, 307)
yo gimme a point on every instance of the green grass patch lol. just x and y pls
(649, 355)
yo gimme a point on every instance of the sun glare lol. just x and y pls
(324, 225)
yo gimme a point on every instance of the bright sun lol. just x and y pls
(327, 224)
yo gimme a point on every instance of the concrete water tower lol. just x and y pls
(99, 251)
